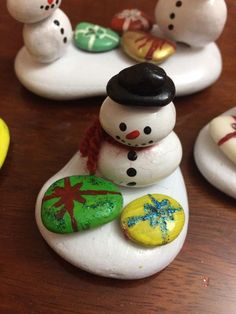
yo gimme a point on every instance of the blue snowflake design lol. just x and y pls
(158, 214)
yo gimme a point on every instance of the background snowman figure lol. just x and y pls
(193, 22)
(139, 146)
(47, 30)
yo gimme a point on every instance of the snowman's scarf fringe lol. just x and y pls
(90, 145)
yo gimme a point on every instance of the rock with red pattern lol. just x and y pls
(79, 203)
(131, 19)
(142, 46)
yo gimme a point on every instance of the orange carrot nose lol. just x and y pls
(50, 1)
(133, 135)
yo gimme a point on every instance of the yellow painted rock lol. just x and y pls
(223, 132)
(142, 46)
(4, 141)
(153, 220)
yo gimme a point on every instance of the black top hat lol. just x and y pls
(143, 84)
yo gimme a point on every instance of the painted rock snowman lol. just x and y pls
(47, 31)
(193, 22)
(121, 231)
(137, 118)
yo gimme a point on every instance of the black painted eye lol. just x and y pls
(147, 130)
(123, 127)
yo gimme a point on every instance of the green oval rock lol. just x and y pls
(94, 38)
(79, 203)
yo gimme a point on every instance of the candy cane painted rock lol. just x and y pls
(79, 203)
(94, 38)
(131, 19)
(142, 46)
(153, 220)
(223, 132)
(32, 11)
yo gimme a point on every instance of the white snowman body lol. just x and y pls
(47, 40)
(193, 22)
(47, 31)
(150, 152)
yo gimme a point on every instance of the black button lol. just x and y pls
(131, 172)
(172, 16)
(132, 155)
(179, 3)
(131, 184)
(171, 27)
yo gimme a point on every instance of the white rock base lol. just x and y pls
(81, 74)
(105, 251)
(213, 164)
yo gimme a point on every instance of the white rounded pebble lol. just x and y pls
(193, 22)
(32, 11)
(214, 165)
(48, 40)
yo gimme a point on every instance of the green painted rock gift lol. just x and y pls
(94, 38)
(79, 203)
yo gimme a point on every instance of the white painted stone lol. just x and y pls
(214, 165)
(161, 120)
(48, 40)
(80, 74)
(193, 22)
(32, 11)
(105, 251)
(162, 150)
(219, 128)
(153, 163)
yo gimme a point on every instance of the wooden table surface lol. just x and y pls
(45, 135)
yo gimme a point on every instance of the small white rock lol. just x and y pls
(193, 22)
(214, 165)
(32, 11)
(48, 40)
(160, 121)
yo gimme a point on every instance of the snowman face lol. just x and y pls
(32, 11)
(193, 22)
(137, 126)
(47, 41)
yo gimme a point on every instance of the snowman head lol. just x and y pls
(32, 11)
(138, 111)
(137, 126)
(193, 22)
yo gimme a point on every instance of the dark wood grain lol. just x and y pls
(45, 134)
